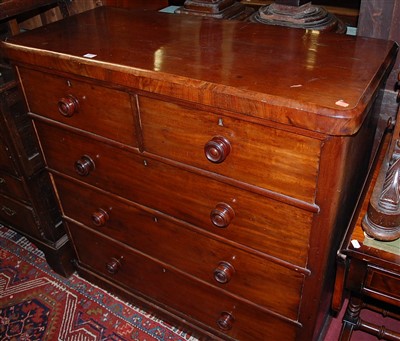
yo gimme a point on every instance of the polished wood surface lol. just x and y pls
(267, 87)
(245, 147)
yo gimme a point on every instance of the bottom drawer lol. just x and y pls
(168, 287)
(18, 216)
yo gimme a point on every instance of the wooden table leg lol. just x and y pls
(351, 319)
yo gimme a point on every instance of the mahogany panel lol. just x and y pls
(182, 194)
(383, 283)
(303, 87)
(240, 273)
(253, 155)
(80, 104)
(166, 286)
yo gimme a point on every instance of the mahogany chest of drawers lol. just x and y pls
(206, 169)
(27, 199)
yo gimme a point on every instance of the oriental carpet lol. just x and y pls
(37, 304)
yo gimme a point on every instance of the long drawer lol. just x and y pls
(227, 267)
(82, 105)
(256, 221)
(164, 286)
(235, 148)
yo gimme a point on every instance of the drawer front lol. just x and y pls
(13, 187)
(100, 110)
(18, 216)
(190, 297)
(257, 221)
(6, 162)
(229, 268)
(383, 284)
(277, 160)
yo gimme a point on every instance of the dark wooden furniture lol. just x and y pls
(298, 14)
(27, 200)
(199, 174)
(218, 9)
(12, 11)
(28, 203)
(369, 269)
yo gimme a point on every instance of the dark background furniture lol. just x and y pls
(28, 202)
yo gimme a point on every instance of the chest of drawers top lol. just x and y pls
(318, 81)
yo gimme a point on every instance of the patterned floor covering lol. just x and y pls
(37, 304)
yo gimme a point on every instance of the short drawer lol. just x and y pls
(6, 162)
(191, 298)
(185, 248)
(383, 284)
(18, 215)
(12, 187)
(274, 159)
(91, 107)
(238, 215)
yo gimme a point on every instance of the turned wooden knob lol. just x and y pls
(100, 217)
(113, 266)
(84, 165)
(68, 106)
(222, 215)
(224, 272)
(217, 149)
(225, 321)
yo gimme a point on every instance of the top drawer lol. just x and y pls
(100, 110)
(274, 159)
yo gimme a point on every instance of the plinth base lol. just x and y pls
(222, 9)
(307, 16)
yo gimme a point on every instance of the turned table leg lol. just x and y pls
(351, 319)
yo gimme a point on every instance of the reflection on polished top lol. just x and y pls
(322, 75)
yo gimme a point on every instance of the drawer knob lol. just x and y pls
(100, 217)
(217, 149)
(222, 215)
(68, 106)
(225, 321)
(84, 165)
(113, 266)
(224, 272)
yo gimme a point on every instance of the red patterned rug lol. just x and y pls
(37, 304)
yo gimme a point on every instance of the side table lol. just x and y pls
(367, 268)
